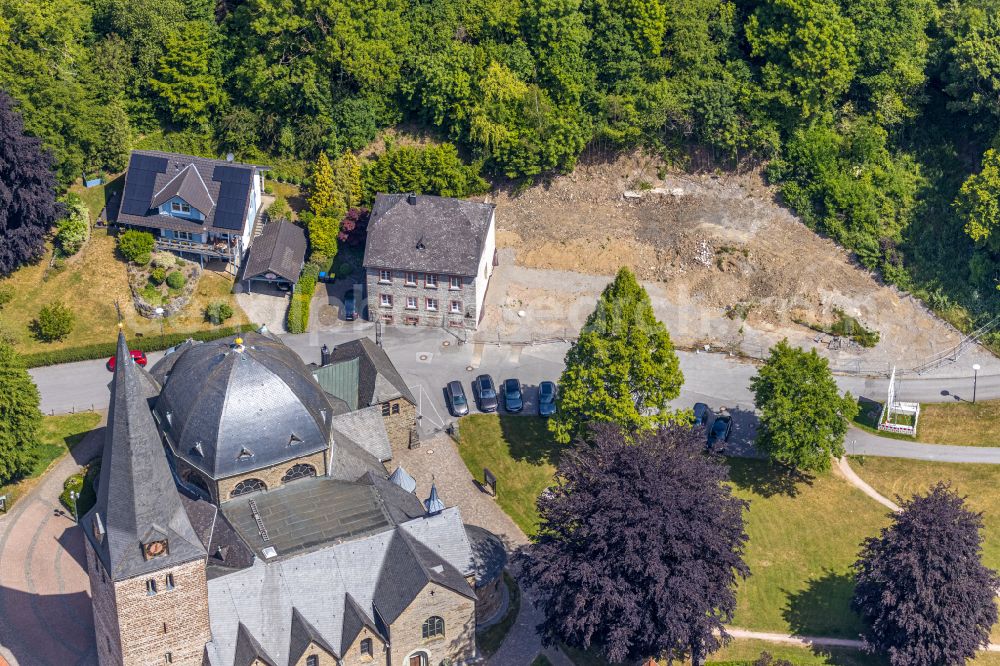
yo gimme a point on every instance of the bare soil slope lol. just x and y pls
(725, 264)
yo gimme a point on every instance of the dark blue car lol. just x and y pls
(513, 400)
(546, 399)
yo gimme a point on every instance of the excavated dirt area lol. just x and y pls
(724, 264)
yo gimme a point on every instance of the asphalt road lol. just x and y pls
(429, 358)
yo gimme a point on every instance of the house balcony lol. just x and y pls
(216, 250)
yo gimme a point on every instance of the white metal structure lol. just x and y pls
(910, 411)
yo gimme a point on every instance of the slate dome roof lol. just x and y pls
(230, 408)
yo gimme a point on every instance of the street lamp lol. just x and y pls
(975, 379)
(159, 313)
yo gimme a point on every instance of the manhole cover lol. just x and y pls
(446, 343)
(423, 357)
(469, 368)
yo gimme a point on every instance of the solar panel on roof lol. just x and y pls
(142, 172)
(233, 191)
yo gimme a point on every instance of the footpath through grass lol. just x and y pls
(59, 435)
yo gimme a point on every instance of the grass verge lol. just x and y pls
(522, 454)
(491, 638)
(745, 652)
(58, 436)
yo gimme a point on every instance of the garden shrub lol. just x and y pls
(298, 312)
(72, 230)
(218, 312)
(158, 275)
(72, 484)
(151, 295)
(136, 246)
(176, 280)
(54, 322)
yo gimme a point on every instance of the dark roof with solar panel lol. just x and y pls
(219, 190)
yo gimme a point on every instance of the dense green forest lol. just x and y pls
(877, 118)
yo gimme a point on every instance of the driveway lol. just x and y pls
(265, 304)
(45, 612)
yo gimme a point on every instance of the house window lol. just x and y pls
(312, 660)
(180, 207)
(432, 304)
(150, 587)
(387, 318)
(366, 647)
(184, 235)
(411, 302)
(456, 307)
(411, 279)
(299, 471)
(431, 281)
(395, 408)
(433, 627)
(386, 300)
(411, 321)
(248, 486)
(385, 276)
(455, 282)
(385, 409)
(170, 586)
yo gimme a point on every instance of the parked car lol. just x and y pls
(350, 309)
(138, 356)
(486, 393)
(513, 400)
(458, 405)
(546, 399)
(701, 415)
(719, 435)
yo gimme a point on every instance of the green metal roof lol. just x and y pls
(340, 380)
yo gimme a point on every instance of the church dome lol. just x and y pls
(240, 404)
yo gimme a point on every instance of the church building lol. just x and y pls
(237, 525)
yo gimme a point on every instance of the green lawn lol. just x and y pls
(745, 652)
(59, 434)
(979, 483)
(519, 451)
(804, 536)
(958, 423)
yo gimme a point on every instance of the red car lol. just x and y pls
(138, 356)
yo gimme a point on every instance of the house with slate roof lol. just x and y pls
(428, 260)
(238, 523)
(192, 205)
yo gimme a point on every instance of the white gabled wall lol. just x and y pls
(486, 265)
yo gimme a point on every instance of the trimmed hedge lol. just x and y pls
(297, 320)
(107, 349)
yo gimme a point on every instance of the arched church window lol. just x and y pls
(299, 471)
(248, 486)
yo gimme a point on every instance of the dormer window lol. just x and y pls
(180, 207)
(245, 455)
(294, 439)
(197, 450)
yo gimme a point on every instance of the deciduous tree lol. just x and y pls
(803, 416)
(20, 418)
(622, 369)
(921, 588)
(978, 202)
(640, 547)
(28, 206)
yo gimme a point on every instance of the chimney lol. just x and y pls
(411, 198)
(324, 356)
